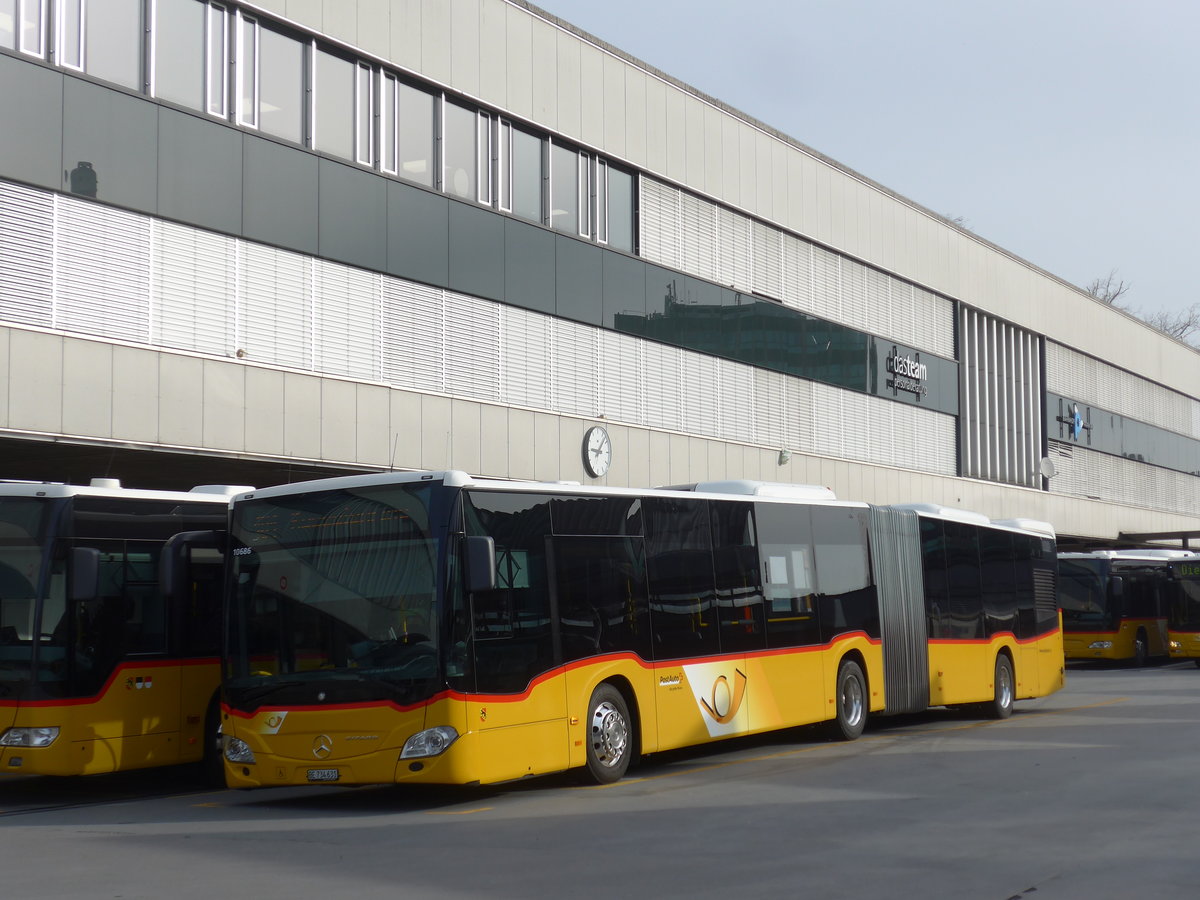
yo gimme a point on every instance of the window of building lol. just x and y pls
(271, 81)
(564, 189)
(364, 103)
(179, 52)
(523, 171)
(217, 42)
(460, 174)
(102, 38)
(619, 209)
(406, 119)
(334, 82)
(484, 156)
(23, 26)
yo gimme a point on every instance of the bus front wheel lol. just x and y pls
(851, 700)
(1001, 706)
(610, 735)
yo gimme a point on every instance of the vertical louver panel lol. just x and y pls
(734, 249)
(346, 321)
(768, 260)
(827, 421)
(661, 386)
(275, 307)
(738, 400)
(524, 339)
(472, 347)
(103, 279)
(620, 392)
(194, 295)
(26, 256)
(413, 336)
(575, 361)
(659, 218)
(699, 394)
(882, 316)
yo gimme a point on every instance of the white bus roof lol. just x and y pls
(110, 487)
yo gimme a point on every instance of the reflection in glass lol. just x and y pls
(8, 24)
(362, 129)
(458, 149)
(218, 55)
(333, 125)
(620, 210)
(179, 52)
(248, 73)
(412, 130)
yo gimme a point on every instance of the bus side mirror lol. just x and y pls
(481, 564)
(174, 568)
(85, 574)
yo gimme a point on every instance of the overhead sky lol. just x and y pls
(1065, 131)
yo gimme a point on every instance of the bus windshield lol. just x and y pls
(1082, 592)
(1185, 611)
(334, 593)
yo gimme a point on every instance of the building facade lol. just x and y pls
(261, 241)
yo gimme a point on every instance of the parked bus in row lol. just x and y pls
(434, 627)
(100, 671)
(1116, 603)
(1183, 619)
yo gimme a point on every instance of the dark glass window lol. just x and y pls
(513, 637)
(785, 542)
(937, 588)
(679, 564)
(1025, 553)
(962, 568)
(846, 594)
(601, 583)
(739, 587)
(406, 131)
(334, 86)
(596, 515)
(997, 572)
(620, 209)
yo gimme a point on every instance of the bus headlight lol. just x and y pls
(430, 742)
(29, 737)
(1176, 646)
(238, 751)
(1100, 645)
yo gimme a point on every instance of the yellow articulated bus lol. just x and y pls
(1116, 603)
(1183, 618)
(99, 670)
(433, 627)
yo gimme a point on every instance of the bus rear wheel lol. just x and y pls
(851, 701)
(610, 735)
(1001, 706)
(212, 764)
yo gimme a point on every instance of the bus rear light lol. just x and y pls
(29, 737)
(238, 751)
(1100, 645)
(430, 742)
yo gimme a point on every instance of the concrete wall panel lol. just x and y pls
(520, 66)
(87, 388)
(494, 58)
(224, 405)
(591, 97)
(372, 425)
(339, 413)
(464, 46)
(614, 106)
(264, 404)
(181, 400)
(521, 446)
(656, 126)
(374, 27)
(467, 436)
(570, 119)
(136, 390)
(544, 42)
(302, 416)
(435, 41)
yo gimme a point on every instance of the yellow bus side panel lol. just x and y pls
(1185, 645)
(1077, 644)
(134, 723)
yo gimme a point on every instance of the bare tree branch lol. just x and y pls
(1109, 289)
(1183, 324)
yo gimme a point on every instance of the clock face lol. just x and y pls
(597, 451)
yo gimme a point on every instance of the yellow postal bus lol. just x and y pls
(99, 670)
(1183, 619)
(433, 627)
(1115, 603)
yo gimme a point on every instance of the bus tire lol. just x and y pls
(1001, 706)
(610, 735)
(851, 701)
(212, 765)
(1197, 662)
(1141, 649)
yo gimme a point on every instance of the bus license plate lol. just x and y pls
(322, 774)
